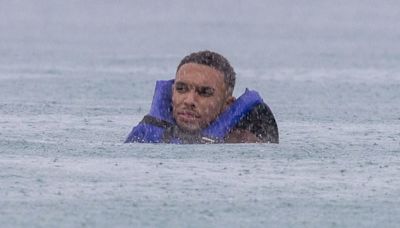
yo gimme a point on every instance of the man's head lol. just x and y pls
(203, 89)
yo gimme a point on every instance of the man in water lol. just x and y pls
(198, 107)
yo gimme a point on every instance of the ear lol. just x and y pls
(230, 100)
(173, 90)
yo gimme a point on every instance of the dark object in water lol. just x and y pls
(261, 122)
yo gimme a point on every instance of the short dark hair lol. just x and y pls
(214, 60)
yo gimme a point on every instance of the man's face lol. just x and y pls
(199, 96)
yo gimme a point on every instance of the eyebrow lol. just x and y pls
(187, 84)
(180, 83)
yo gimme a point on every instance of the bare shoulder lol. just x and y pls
(241, 136)
(261, 123)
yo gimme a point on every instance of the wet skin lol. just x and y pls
(199, 96)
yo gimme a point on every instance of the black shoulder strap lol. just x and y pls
(148, 119)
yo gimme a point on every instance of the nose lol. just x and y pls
(190, 99)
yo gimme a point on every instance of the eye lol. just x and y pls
(205, 91)
(181, 87)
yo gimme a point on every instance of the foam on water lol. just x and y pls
(76, 76)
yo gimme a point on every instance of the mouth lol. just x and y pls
(188, 116)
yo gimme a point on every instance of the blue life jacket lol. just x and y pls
(155, 125)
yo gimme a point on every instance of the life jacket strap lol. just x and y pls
(148, 119)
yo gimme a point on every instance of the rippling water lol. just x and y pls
(75, 77)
